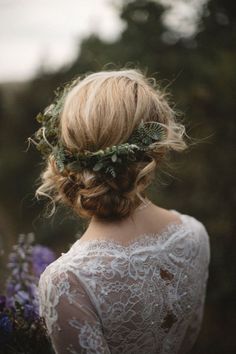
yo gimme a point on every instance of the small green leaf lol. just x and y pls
(97, 166)
(110, 170)
(114, 157)
(40, 118)
(113, 173)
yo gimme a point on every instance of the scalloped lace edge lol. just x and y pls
(164, 234)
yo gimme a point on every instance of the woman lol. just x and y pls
(135, 281)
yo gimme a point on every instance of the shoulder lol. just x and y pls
(57, 281)
(199, 234)
(57, 270)
(195, 224)
(65, 269)
(197, 227)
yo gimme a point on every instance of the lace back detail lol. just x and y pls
(146, 296)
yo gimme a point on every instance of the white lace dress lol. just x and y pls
(142, 298)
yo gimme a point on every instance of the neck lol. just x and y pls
(96, 222)
(120, 230)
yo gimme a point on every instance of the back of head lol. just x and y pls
(100, 111)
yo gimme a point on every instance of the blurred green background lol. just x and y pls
(200, 72)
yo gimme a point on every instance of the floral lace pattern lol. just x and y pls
(143, 297)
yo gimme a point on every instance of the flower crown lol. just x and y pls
(108, 161)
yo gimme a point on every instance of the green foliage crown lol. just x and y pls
(109, 160)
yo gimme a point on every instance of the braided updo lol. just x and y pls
(103, 110)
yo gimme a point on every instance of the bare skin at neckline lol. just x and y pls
(150, 219)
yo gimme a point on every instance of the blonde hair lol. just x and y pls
(102, 110)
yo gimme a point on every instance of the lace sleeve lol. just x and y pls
(71, 319)
(198, 310)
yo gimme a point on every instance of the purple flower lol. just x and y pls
(29, 312)
(41, 257)
(26, 262)
(10, 302)
(22, 297)
(6, 327)
(20, 285)
(20, 323)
